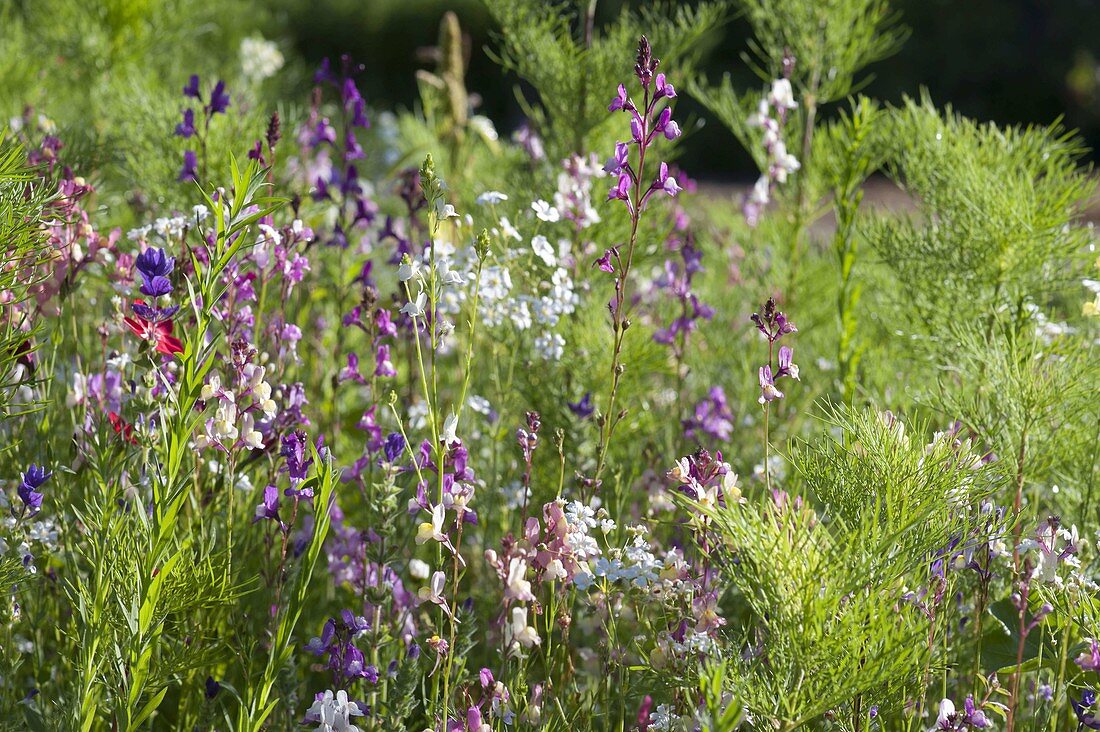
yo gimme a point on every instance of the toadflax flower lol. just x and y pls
(30, 482)
(333, 713)
(433, 593)
(518, 633)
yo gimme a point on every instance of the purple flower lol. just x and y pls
(663, 88)
(359, 114)
(383, 323)
(786, 367)
(618, 161)
(324, 72)
(712, 417)
(383, 365)
(269, 509)
(155, 266)
(219, 99)
(192, 88)
(666, 126)
(621, 100)
(621, 190)
(323, 133)
(1089, 660)
(186, 128)
(212, 687)
(772, 323)
(604, 262)
(351, 371)
(768, 392)
(294, 451)
(30, 482)
(1086, 715)
(393, 447)
(583, 407)
(666, 182)
(189, 171)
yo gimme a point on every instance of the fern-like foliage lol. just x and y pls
(574, 67)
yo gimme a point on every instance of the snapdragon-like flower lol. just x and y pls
(518, 633)
(971, 718)
(1086, 709)
(269, 509)
(30, 481)
(186, 128)
(434, 593)
(1089, 660)
(333, 713)
(155, 266)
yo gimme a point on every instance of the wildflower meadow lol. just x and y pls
(317, 414)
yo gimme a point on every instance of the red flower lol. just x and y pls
(160, 333)
(122, 427)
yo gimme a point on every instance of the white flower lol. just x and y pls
(550, 346)
(761, 191)
(545, 212)
(662, 719)
(433, 530)
(782, 95)
(519, 632)
(260, 59)
(490, 198)
(408, 269)
(484, 125)
(333, 713)
(479, 404)
(433, 593)
(544, 250)
(518, 586)
(252, 437)
(450, 427)
(415, 308)
(947, 711)
(224, 425)
(419, 569)
(508, 230)
(760, 117)
(451, 277)
(445, 210)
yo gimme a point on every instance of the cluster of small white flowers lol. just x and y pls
(550, 346)
(1048, 330)
(499, 304)
(260, 59)
(170, 228)
(635, 564)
